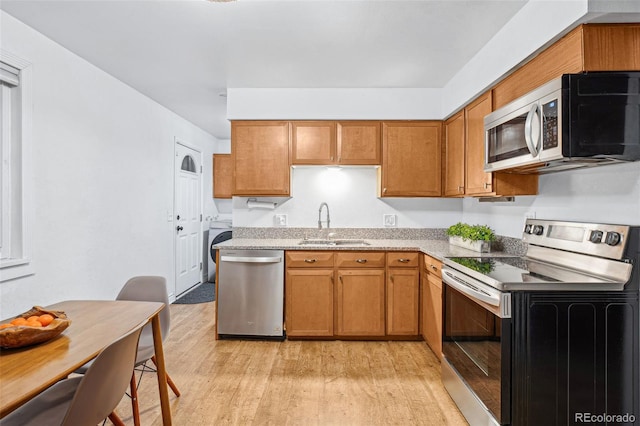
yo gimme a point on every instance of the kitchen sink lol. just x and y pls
(333, 242)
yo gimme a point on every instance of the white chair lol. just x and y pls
(85, 400)
(149, 289)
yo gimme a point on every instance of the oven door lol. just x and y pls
(477, 348)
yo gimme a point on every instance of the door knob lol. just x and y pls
(179, 228)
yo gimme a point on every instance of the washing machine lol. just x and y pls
(218, 231)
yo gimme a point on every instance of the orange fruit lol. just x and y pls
(34, 323)
(6, 325)
(19, 321)
(45, 319)
(33, 317)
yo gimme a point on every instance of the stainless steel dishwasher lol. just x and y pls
(251, 294)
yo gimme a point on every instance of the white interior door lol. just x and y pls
(188, 217)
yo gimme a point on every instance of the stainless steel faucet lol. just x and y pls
(320, 216)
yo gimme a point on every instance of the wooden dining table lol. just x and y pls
(27, 371)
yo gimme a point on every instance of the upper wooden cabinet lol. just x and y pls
(477, 181)
(358, 142)
(464, 147)
(260, 156)
(222, 176)
(313, 142)
(330, 142)
(589, 47)
(411, 159)
(454, 156)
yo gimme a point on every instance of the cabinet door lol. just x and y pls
(454, 156)
(309, 302)
(402, 301)
(477, 181)
(260, 153)
(359, 142)
(222, 176)
(411, 159)
(432, 312)
(313, 142)
(360, 302)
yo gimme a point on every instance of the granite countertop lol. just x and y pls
(438, 249)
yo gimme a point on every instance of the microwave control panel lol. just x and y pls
(550, 124)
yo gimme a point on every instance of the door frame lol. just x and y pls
(179, 141)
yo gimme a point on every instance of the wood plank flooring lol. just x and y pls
(293, 382)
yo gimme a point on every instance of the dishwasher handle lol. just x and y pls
(251, 259)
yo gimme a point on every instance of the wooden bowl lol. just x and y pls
(21, 335)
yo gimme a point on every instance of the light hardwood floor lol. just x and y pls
(292, 382)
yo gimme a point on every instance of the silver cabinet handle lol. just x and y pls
(434, 267)
(361, 260)
(403, 260)
(311, 260)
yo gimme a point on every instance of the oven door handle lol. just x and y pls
(472, 288)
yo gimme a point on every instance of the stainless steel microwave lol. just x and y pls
(577, 120)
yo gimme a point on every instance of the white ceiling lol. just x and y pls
(184, 53)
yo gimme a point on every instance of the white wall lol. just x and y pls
(333, 104)
(353, 203)
(609, 194)
(103, 177)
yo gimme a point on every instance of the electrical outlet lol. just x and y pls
(280, 219)
(530, 215)
(389, 220)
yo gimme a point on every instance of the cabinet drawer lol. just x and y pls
(402, 259)
(432, 265)
(309, 259)
(360, 259)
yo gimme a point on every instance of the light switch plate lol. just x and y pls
(389, 220)
(280, 219)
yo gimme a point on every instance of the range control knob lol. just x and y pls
(613, 238)
(596, 237)
(527, 228)
(538, 230)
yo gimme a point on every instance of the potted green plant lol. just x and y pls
(472, 237)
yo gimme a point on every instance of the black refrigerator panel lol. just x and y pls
(575, 357)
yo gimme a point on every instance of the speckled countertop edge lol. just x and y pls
(437, 246)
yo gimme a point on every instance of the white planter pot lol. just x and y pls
(479, 246)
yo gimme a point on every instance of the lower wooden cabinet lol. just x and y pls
(352, 294)
(360, 302)
(309, 302)
(403, 279)
(431, 304)
(309, 294)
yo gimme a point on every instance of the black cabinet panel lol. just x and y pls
(574, 354)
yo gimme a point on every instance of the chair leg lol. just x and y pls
(172, 385)
(134, 400)
(115, 419)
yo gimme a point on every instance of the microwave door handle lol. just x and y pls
(528, 131)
